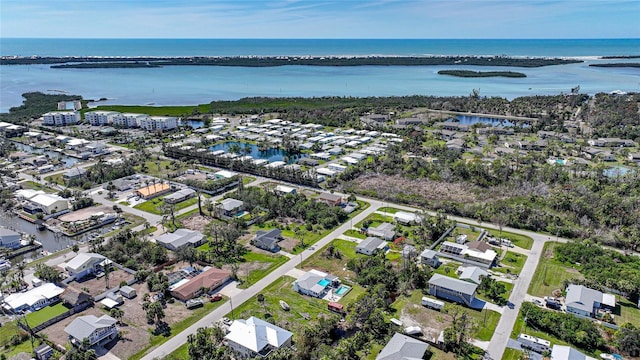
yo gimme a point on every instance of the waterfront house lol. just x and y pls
(85, 264)
(9, 239)
(95, 329)
(100, 117)
(49, 203)
(254, 337)
(452, 289)
(74, 174)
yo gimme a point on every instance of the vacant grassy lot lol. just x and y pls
(38, 317)
(390, 210)
(36, 186)
(375, 219)
(355, 234)
(334, 265)
(154, 206)
(550, 273)
(512, 263)
(273, 261)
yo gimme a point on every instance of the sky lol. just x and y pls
(377, 19)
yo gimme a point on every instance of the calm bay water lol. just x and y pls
(185, 85)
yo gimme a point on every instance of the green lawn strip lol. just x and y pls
(38, 317)
(511, 354)
(486, 321)
(57, 178)
(182, 353)
(505, 296)
(282, 289)
(254, 276)
(150, 230)
(550, 274)
(24, 347)
(333, 265)
(390, 210)
(376, 219)
(472, 233)
(448, 269)
(247, 179)
(36, 186)
(187, 214)
(355, 234)
(521, 241)
(7, 330)
(626, 312)
(152, 206)
(197, 314)
(512, 263)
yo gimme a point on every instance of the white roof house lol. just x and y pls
(406, 217)
(50, 203)
(559, 352)
(34, 299)
(26, 194)
(181, 238)
(225, 174)
(285, 189)
(256, 337)
(473, 274)
(85, 263)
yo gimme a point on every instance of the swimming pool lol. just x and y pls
(324, 282)
(342, 290)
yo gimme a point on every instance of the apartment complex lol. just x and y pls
(131, 120)
(61, 118)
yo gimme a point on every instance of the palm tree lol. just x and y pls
(117, 314)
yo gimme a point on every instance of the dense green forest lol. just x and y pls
(35, 104)
(474, 74)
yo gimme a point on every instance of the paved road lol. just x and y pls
(238, 299)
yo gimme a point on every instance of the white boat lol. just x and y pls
(284, 305)
(5, 264)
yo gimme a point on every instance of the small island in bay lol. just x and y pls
(470, 74)
(631, 65)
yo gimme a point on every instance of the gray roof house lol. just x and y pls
(179, 196)
(128, 292)
(582, 301)
(93, 328)
(384, 231)
(268, 239)
(181, 238)
(452, 289)
(9, 238)
(74, 173)
(402, 347)
(472, 274)
(430, 257)
(84, 264)
(370, 245)
(315, 283)
(230, 207)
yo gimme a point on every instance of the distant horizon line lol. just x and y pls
(194, 38)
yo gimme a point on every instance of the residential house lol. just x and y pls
(635, 157)
(330, 199)
(120, 184)
(406, 218)
(207, 280)
(283, 190)
(268, 240)
(254, 337)
(315, 283)
(371, 245)
(452, 289)
(402, 347)
(95, 329)
(76, 300)
(179, 196)
(181, 238)
(230, 207)
(452, 126)
(9, 239)
(85, 264)
(472, 274)
(476, 251)
(611, 142)
(384, 231)
(430, 257)
(154, 190)
(582, 301)
(61, 118)
(561, 352)
(34, 299)
(74, 174)
(411, 121)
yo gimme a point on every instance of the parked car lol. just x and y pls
(216, 297)
(194, 303)
(226, 321)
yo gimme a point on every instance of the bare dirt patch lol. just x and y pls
(431, 321)
(196, 222)
(85, 213)
(288, 244)
(96, 286)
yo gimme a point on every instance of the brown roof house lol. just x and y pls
(330, 199)
(203, 282)
(154, 190)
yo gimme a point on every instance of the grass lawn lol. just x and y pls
(486, 321)
(254, 276)
(333, 265)
(626, 312)
(182, 353)
(505, 296)
(38, 317)
(390, 210)
(36, 186)
(518, 240)
(550, 273)
(511, 263)
(247, 179)
(158, 168)
(7, 330)
(472, 234)
(448, 269)
(178, 327)
(157, 110)
(511, 354)
(282, 289)
(57, 178)
(376, 219)
(355, 234)
(154, 206)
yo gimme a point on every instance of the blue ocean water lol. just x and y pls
(237, 47)
(188, 85)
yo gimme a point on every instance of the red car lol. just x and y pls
(216, 297)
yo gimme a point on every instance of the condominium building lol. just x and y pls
(100, 118)
(128, 120)
(61, 118)
(154, 123)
